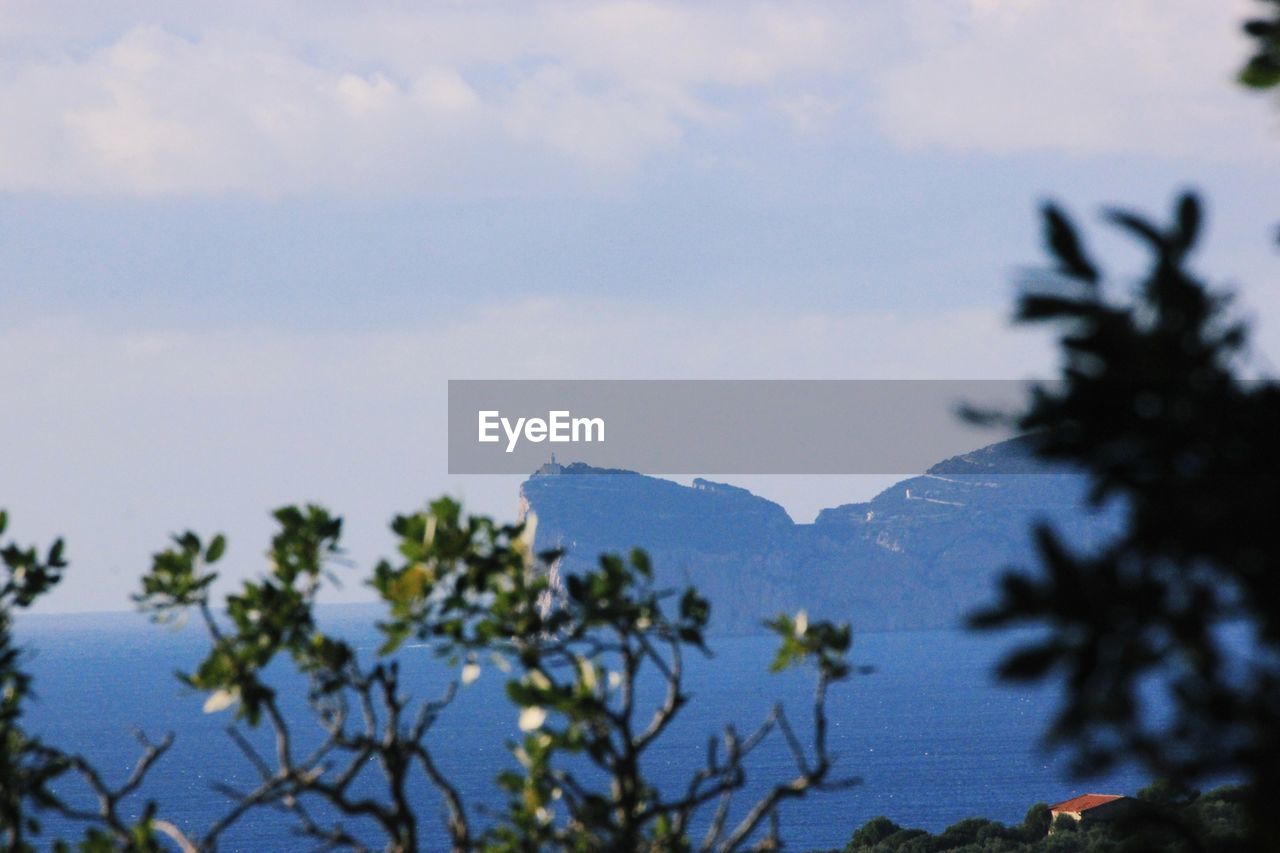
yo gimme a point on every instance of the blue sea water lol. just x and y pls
(933, 738)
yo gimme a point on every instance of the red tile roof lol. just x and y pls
(1084, 802)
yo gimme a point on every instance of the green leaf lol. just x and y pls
(1137, 226)
(1262, 72)
(1035, 307)
(1189, 220)
(216, 549)
(1029, 663)
(640, 560)
(1065, 245)
(1261, 28)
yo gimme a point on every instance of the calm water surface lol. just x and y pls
(932, 737)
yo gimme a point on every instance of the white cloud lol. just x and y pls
(476, 99)
(1089, 76)
(156, 112)
(484, 99)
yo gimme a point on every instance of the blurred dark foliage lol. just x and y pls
(1167, 639)
(1262, 71)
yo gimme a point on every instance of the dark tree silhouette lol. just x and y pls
(1168, 638)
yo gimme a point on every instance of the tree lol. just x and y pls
(1167, 639)
(1037, 822)
(476, 592)
(873, 832)
(28, 766)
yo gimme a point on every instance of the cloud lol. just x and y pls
(1086, 77)
(475, 100)
(155, 112)
(488, 99)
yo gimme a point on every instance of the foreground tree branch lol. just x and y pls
(576, 659)
(1167, 638)
(30, 768)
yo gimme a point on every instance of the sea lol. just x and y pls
(929, 733)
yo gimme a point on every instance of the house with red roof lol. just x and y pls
(1090, 808)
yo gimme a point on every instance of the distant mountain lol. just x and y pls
(919, 555)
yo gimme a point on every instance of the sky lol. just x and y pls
(243, 246)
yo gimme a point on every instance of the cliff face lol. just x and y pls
(919, 555)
